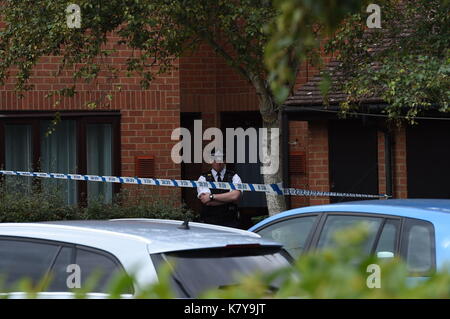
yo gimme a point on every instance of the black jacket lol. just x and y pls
(226, 214)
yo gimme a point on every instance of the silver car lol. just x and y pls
(205, 256)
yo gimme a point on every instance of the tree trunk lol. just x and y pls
(272, 167)
(275, 203)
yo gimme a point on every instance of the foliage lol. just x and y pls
(159, 31)
(296, 34)
(44, 204)
(406, 62)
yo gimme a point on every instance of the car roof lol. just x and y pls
(442, 205)
(414, 208)
(158, 235)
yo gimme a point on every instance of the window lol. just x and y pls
(418, 246)
(82, 143)
(59, 154)
(388, 237)
(18, 152)
(292, 233)
(197, 271)
(25, 259)
(59, 272)
(99, 153)
(18, 147)
(336, 223)
(96, 265)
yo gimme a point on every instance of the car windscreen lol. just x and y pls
(196, 271)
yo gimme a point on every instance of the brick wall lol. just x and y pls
(317, 160)
(210, 86)
(400, 173)
(298, 142)
(147, 116)
(381, 164)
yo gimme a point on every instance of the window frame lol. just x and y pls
(82, 119)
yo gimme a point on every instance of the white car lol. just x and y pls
(205, 256)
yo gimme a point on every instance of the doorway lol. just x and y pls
(252, 204)
(427, 159)
(353, 158)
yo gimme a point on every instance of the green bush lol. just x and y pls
(21, 201)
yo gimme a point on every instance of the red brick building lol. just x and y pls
(365, 153)
(130, 135)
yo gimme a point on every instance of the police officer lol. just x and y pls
(219, 205)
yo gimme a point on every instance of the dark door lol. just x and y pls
(252, 203)
(428, 158)
(353, 158)
(190, 171)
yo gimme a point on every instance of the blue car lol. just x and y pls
(417, 230)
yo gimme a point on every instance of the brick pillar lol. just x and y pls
(298, 142)
(317, 161)
(381, 164)
(400, 169)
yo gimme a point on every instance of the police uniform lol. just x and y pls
(226, 214)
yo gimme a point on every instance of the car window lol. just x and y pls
(195, 272)
(336, 223)
(292, 233)
(418, 246)
(388, 237)
(96, 265)
(25, 259)
(59, 274)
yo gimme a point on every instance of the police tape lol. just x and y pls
(275, 189)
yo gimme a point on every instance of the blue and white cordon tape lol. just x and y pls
(276, 189)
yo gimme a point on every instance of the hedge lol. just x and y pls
(21, 201)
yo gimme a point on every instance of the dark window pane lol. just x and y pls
(59, 155)
(96, 265)
(20, 259)
(419, 246)
(198, 271)
(99, 160)
(388, 237)
(18, 147)
(336, 223)
(292, 233)
(59, 272)
(19, 155)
